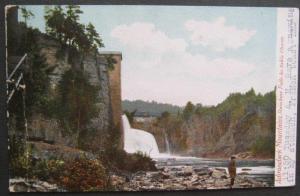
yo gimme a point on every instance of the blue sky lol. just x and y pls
(175, 54)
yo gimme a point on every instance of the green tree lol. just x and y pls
(250, 93)
(188, 110)
(78, 100)
(94, 37)
(71, 23)
(130, 115)
(26, 14)
(36, 73)
(165, 115)
(65, 26)
(37, 82)
(164, 119)
(55, 21)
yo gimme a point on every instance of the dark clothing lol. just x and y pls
(231, 182)
(232, 168)
(232, 171)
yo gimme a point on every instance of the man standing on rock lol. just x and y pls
(232, 170)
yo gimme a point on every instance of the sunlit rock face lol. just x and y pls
(136, 140)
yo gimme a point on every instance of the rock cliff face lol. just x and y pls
(109, 100)
(224, 136)
(241, 123)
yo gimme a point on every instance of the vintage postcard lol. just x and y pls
(151, 98)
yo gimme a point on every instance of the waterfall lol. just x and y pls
(167, 143)
(136, 140)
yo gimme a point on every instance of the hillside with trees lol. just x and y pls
(60, 119)
(241, 123)
(149, 108)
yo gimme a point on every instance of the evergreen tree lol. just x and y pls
(165, 115)
(188, 110)
(94, 37)
(71, 23)
(130, 115)
(77, 105)
(55, 22)
(26, 14)
(65, 26)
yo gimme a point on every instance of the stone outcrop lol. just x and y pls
(183, 178)
(22, 185)
(223, 136)
(220, 131)
(44, 151)
(108, 119)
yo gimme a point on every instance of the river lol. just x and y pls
(262, 170)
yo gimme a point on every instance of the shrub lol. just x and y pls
(48, 170)
(139, 162)
(84, 174)
(264, 146)
(120, 160)
(19, 161)
(23, 164)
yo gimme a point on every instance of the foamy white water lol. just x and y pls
(254, 170)
(257, 170)
(173, 156)
(136, 140)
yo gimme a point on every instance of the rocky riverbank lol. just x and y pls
(166, 178)
(247, 155)
(183, 178)
(22, 185)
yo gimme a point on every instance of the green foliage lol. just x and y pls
(110, 62)
(37, 82)
(77, 100)
(165, 115)
(64, 25)
(19, 162)
(119, 160)
(71, 22)
(130, 115)
(139, 162)
(173, 127)
(188, 111)
(264, 146)
(26, 14)
(149, 108)
(239, 110)
(238, 104)
(36, 73)
(55, 19)
(16, 121)
(93, 37)
(47, 170)
(23, 164)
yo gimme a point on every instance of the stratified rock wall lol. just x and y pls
(232, 127)
(109, 96)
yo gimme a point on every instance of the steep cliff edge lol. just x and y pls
(45, 125)
(241, 123)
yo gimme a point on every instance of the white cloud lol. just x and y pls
(217, 35)
(144, 36)
(157, 67)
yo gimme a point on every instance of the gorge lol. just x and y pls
(74, 134)
(244, 123)
(136, 140)
(175, 167)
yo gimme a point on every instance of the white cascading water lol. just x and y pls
(136, 140)
(168, 149)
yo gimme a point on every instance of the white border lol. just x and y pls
(286, 96)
